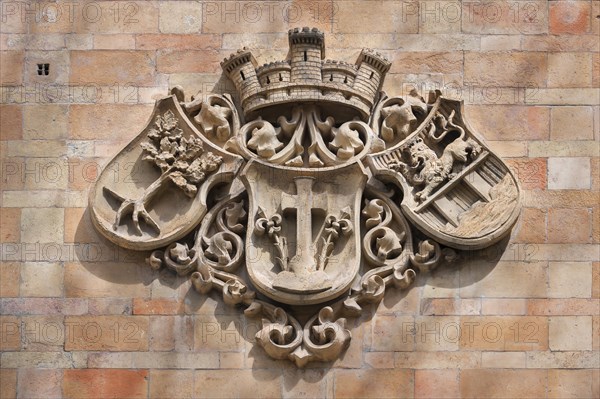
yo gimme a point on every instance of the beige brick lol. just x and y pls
(79, 228)
(563, 360)
(445, 386)
(596, 331)
(393, 333)
(45, 174)
(435, 333)
(531, 227)
(154, 360)
(180, 17)
(509, 149)
(36, 148)
(566, 307)
(570, 384)
(305, 383)
(217, 383)
(106, 333)
(579, 148)
(509, 122)
(171, 384)
(569, 70)
(500, 42)
(380, 360)
(439, 17)
(103, 121)
(505, 17)
(157, 306)
(564, 96)
(559, 43)
(119, 17)
(450, 306)
(106, 280)
(109, 306)
(114, 42)
(11, 67)
(10, 219)
(570, 333)
(8, 383)
(498, 383)
(504, 280)
(498, 306)
(441, 283)
(438, 360)
(595, 69)
(167, 333)
(503, 333)
(224, 333)
(571, 17)
(569, 280)
(10, 274)
(400, 302)
(41, 279)
(231, 360)
(504, 360)
(596, 280)
(181, 42)
(505, 69)
(58, 73)
(43, 333)
(572, 123)
(568, 173)
(11, 122)
(103, 67)
(52, 220)
(569, 225)
(34, 383)
(75, 41)
(180, 61)
(354, 16)
(10, 334)
(93, 383)
(423, 62)
(42, 360)
(45, 121)
(396, 383)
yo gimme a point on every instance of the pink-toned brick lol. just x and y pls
(11, 122)
(40, 383)
(502, 383)
(569, 225)
(396, 383)
(103, 67)
(105, 384)
(437, 384)
(569, 17)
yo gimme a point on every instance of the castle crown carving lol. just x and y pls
(306, 76)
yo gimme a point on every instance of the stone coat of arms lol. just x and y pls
(309, 198)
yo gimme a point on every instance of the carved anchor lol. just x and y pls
(303, 275)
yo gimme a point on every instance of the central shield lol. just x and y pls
(303, 237)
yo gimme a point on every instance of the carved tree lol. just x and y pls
(181, 160)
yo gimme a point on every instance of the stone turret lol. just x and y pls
(306, 77)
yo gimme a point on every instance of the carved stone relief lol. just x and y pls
(310, 193)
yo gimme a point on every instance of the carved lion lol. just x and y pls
(426, 169)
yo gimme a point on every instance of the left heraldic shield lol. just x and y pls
(156, 189)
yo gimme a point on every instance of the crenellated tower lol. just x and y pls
(307, 77)
(307, 48)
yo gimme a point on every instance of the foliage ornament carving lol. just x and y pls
(307, 199)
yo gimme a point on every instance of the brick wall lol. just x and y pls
(81, 318)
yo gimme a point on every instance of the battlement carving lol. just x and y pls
(306, 76)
